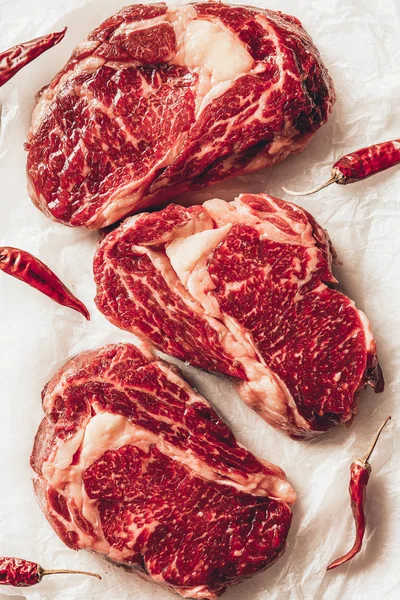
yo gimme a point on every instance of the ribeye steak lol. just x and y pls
(163, 99)
(134, 464)
(244, 288)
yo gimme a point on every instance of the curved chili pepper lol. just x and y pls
(24, 573)
(359, 165)
(360, 472)
(31, 270)
(13, 59)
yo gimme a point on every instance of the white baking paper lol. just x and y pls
(359, 41)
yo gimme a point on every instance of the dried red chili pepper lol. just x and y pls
(360, 472)
(24, 573)
(359, 165)
(31, 270)
(13, 59)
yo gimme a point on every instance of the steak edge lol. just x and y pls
(159, 100)
(132, 463)
(246, 289)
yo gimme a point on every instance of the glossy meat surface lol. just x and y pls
(132, 463)
(160, 100)
(245, 289)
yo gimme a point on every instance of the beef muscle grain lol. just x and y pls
(132, 463)
(244, 288)
(160, 100)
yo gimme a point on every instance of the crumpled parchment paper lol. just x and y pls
(359, 43)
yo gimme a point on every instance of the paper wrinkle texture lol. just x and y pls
(359, 44)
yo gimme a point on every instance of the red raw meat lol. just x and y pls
(134, 464)
(160, 100)
(244, 288)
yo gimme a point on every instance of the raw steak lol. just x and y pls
(159, 100)
(244, 288)
(134, 464)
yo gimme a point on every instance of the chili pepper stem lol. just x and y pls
(336, 177)
(367, 456)
(360, 471)
(68, 571)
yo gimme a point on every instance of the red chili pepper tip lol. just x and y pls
(360, 472)
(34, 272)
(15, 58)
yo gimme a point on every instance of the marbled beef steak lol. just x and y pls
(132, 463)
(163, 99)
(244, 288)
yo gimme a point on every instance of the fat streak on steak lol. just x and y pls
(244, 288)
(163, 99)
(133, 464)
